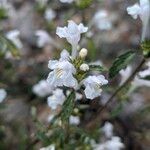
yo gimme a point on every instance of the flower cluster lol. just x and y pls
(67, 70)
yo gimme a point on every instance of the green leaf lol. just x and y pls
(146, 48)
(7, 45)
(83, 3)
(68, 107)
(3, 14)
(120, 63)
(97, 68)
(147, 77)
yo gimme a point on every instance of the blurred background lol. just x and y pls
(30, 29)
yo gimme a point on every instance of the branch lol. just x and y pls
(100, 110)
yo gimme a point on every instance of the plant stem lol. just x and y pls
(100, 110)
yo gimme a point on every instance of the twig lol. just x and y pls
(100, 110)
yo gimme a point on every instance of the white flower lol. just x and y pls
(84, 67)
(49, 14)
(113, 144)
(14, 37)
(62, 72)
(137, 82)
(66, 1)
(83, 52)
(102, 21)
(43, 38)
(56, 99)
(3, 95)
(125, 73)
(143, 11)
(74, 120)
(50, 147)
(42, 88)
(108, 129)
(93, 86)
(72, 33)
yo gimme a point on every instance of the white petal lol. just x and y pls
(134, 10)
(61, 32)
(52, 64)
(82, 28)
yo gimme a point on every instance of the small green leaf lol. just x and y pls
(120, 63)
(147, 77)
(7, 45)
(3, 14)
(83, 3)
(68, 107)
(146, 48)
(97, 68)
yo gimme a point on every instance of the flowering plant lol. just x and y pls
(85, 98)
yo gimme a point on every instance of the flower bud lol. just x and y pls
(84, 67)
(83, 52)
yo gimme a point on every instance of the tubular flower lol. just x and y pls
(143, 11)
(93, 86)
(56, 99)
(62, 72)
(72, 33)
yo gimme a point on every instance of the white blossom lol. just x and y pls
(102, 21)
(43, 38)
(108, 129)
(137, 82)
(66, 1)
(142, 10)
(50, 147)
(62, 72)
(3, 95)
(84, 67)
(56, 99)
(93, 86)
(49, 14)
(42, 88)
(74, 120)
(72, 33)
(125, 73)
(113, 144)
(14, 37)
(83, 52)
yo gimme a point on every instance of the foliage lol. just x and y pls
(120, 63)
